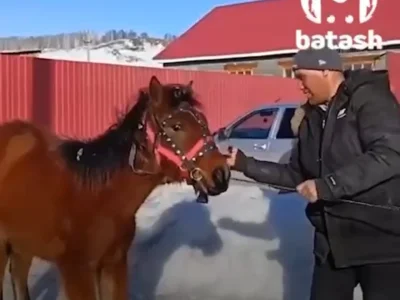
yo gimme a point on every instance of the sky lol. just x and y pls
(156, 17)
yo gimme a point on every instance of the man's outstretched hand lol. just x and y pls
(308, 189)
(231, 156)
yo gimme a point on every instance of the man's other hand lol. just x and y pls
(231, 156)
(308, 189)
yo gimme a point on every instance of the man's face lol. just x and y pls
(314, 85)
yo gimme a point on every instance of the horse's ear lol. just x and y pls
(190, 85)
(155, 91)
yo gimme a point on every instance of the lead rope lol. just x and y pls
(293, 190)
(387, 207)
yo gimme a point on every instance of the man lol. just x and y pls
(348, 149)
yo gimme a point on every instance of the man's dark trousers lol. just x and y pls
(377, 281)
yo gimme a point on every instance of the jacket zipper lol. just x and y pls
(324, 120)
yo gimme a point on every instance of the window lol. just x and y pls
(357, 65)
(287, 67)
(288, 72)
(242, 72)
(256, 125)
(368, 66)
(347, 66)
(285, 129)
(241, 68)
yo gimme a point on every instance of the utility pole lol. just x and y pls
(88, 43)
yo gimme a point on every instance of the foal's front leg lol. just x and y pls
(78, 280)
(114, 279)
(113, 269)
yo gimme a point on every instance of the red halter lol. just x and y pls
(185, 161)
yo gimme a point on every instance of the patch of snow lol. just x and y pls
(244, 244)
(123, 52)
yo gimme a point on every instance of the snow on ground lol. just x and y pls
(117, 52)
(245, 244)
(237, 247)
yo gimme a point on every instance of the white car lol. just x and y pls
(264, 133)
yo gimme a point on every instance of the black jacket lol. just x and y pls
(352, 149)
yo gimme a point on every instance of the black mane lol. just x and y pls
(179, 93)
(98, 158)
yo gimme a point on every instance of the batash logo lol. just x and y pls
(369, 40)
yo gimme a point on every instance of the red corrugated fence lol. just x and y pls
(393, 63)
(81, 99)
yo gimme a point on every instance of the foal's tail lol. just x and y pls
(5, 252)
(8, 251)
(19, 270)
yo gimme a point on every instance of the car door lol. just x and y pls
(282, 139)
(251, 134)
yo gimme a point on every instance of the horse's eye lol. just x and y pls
(177, 127)
(177, 93)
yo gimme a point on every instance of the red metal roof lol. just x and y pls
(270, 25)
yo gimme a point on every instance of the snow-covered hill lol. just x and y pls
(124, 52)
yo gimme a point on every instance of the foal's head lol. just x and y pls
(179, 138)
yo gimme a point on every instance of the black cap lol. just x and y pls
(318, 59)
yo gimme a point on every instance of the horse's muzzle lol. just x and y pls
(221, 177)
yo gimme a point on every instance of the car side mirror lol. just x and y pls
(220, 134)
